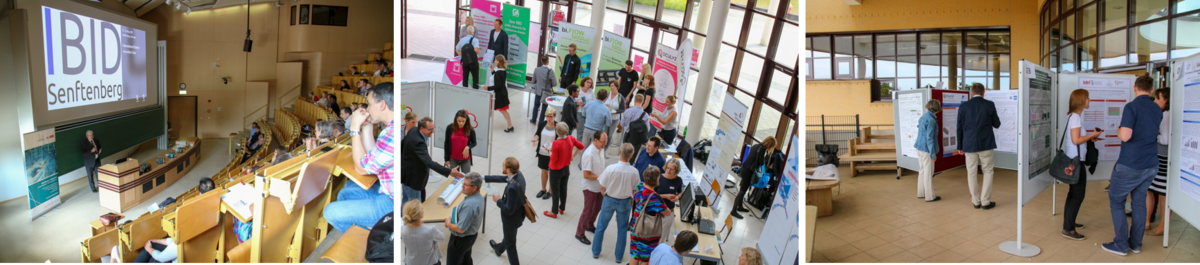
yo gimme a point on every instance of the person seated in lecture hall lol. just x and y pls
(333, 105)
(252, 149)
(312, 97)
(281, 154)
(665, 254)
(382, 69)
(379, 58)
(322, 133)
(356, 205)
(343, 85)
(363, 87)
(91, 149)
(323, 100)
(254, 134)
(512, 208)
(346, 112)
(339, 128)
(354, 71)
(415, 162)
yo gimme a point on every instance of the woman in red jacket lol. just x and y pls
(561, 152)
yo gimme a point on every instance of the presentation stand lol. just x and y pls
(779, 242)
(909, 106)
(1108, 94)
(1183, 179)
(1035, 150)
(441, 102)
(123, 185)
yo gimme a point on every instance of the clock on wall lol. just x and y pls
(182, 86)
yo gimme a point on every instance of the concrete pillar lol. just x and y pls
(708, 67)
(702, 24)
(598, 44)
(766, 34)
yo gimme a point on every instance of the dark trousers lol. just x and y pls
(144, 257)
(538, 115)
(567, 81)
(668, 136)
(744, 185)
(591, 209)
(558, 183)
(91, 175)
(1074, 200)
(510, 242)
(458, 250)
(467, 73)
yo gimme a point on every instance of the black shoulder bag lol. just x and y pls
(1062, 168)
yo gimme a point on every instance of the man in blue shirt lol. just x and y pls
(596, 116)
(1135, 168)
(650, 156)
(665, 254)
(468, 70)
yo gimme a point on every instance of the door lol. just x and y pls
(181, 115)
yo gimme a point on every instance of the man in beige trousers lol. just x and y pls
(976, 119)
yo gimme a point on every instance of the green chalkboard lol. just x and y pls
(115, 133)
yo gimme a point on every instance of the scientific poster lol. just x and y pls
(612, 58)
(911, 109)
(727, 142)
(41, 172)
(1006, 108)
(1188, 75)
(484, 13)
(582, 37)
(950, 103)
(516, 24)
(781, 235)
(1108, 99)
(1041, 123)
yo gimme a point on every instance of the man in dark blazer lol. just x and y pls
(415, 162)
(91, 158)
(498, 40)
(254, 134)
(512, 207)
(570, 67)
(976, 119)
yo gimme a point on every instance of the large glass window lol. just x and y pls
(1115, 49)
(1130, 33)
(908, 60)
(1185, 44)
(1116, 14)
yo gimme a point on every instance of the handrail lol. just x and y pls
(255, 111)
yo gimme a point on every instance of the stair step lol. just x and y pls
(875, 146)
(876, 166)
(883, 136)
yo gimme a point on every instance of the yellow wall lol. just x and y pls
(368, 28)
(853, 97)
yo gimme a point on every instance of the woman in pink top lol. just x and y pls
(561, 152)
(460, 138)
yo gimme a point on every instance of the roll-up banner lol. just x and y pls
(485, 14)
(516, 24)
(612, 58)
(41, 172)
(582, 37)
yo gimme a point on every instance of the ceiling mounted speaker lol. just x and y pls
(246, 45)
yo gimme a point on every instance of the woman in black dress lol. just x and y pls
(500, 87)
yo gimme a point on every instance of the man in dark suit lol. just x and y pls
(976, 119)
(415, 162)
(254, 134)
(91, 158)
(512, 207)
(498, 39)
(570, 68)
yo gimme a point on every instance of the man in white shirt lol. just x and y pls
(617, 183)
(593, 165)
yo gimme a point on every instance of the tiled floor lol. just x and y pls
(552, 241)
(879, 219)
(56, 235)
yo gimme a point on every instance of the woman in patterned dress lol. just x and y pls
(640, 247)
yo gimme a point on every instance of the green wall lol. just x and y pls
(115, 134)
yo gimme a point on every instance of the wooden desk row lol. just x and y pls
(352, 80)
(309, 112)
(287, 127)
(343, 98)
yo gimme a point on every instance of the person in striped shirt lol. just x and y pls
(355, 205)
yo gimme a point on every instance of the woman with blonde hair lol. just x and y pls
(759, 155)
(420, 241)
(463, 32)
(543, 139)
(668, 120)
(646, 88)
(500, 87)
(750, 256)
(1079, 101)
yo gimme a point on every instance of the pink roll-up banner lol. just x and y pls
(454, 72)
(666, 75)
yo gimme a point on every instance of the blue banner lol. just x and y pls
(41, 172)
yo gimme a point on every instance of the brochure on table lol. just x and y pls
(1183, 182)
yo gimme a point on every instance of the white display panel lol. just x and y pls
(1006, 108)
(1183, 181)
(91, 61)
(1037, 125)
(1104, 97)
(910, 110)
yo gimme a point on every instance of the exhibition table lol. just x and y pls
(123, 186)
(435, 212)
(709, 246)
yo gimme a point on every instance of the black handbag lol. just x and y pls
(1062, 168)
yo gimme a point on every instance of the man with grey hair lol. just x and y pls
(928, 149)
(91, 158)
(976, 119)
(617, 183)
(465, 229)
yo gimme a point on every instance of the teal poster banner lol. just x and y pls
(516, 24)
(612, 58)
(582, 37)
(41, 172)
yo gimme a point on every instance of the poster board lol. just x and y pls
(1109, 93)
(727, 142)
(516, 24)
(780, 237)
(1037, 123)
(1183, 180)
(583, 38)
(1007, 102)
(41, 172)
(948, 118)
(909, 106)
(448, 100)
(416, 97)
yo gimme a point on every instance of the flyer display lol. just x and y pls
(1006, 107)
(911, 109)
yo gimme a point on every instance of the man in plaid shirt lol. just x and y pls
(364, 207)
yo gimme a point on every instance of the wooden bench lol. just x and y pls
(868, 155)
(350, 248)
(820, 194)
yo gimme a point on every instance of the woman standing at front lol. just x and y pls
(669, 123)
(1079, 101)
(927, 149)
(646, 202)
(542, 139)
(1158, 187)
(561, 153)
(460, 138)
(500, 87)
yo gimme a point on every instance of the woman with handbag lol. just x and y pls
(1079, 102)
(646, 222)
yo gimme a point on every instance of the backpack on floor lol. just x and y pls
(381, 241)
